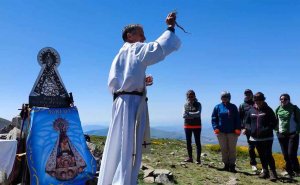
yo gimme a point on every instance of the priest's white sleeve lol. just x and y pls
(153, 52)
(169, 42)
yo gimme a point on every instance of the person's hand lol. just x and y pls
(244, 131)
(149, 80)
(237, 132)
(170, 20)
(217, 131)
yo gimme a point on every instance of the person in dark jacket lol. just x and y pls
(260, 122)
(192, 124)
(243, 110)
(288, 119)
(227, 126)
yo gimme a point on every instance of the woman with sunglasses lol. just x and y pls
(260, 122)
(192, 124)
(288, 117)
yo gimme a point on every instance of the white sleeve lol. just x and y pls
(154, 52)
(169, 42)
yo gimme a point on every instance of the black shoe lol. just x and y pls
(273, 176)
(232, 169)
(188, 160)
(296, 173)
(289, 175)
(198, 162)
(264, 175)
(225, 168)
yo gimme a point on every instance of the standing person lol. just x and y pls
(288, 117)
(260, 122)
(227, 126)
(192, 124)
(243, 110)
(123, 148)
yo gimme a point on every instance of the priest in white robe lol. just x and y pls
(123, 148)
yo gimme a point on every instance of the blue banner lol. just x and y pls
(57, 152)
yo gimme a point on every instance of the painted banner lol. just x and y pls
(57, 152)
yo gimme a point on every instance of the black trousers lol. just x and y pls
(251, 150)
(289, 147)
(188, 135)
(264, 149)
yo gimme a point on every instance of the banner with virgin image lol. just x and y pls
(57, 152)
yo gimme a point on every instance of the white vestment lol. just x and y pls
(127, 73)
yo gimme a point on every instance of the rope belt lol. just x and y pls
(131, 93)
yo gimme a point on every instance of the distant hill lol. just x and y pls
(91, 127)
(177, 132)
(99, 132)
(159, 134)
(3, 123)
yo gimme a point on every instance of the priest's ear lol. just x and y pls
(129, 37)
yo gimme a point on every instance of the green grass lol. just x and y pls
(168, 154)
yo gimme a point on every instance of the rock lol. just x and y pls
(204, 155)
(13, 134)
(91, 146)
(172, 165)
(157, 172)
(163, 179)
(17, 122)
(183, 164)
(6, 129)
(148, 173)
(3, 136)
(232, 181)
(149, 180)
(172, 153)
(145, 167)
(211, 164)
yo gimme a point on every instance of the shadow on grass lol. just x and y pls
(238, 171)
(287, 180)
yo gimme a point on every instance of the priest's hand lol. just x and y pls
(149, 80)
(171, 19)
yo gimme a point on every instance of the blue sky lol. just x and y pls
(233, 45)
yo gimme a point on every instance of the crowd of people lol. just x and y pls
(254, 119)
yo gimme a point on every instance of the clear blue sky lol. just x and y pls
(235, 44)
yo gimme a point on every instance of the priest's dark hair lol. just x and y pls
(131, 28)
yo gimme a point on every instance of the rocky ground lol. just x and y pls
(164, 166)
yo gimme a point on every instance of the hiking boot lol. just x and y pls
(188, 160)
(225, 168)
(296, 173)
(289, 176)
(198, 161)
(264, 175)
(273, 176)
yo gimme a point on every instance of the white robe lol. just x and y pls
(127, 74)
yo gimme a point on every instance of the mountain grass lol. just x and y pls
(169, 154)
